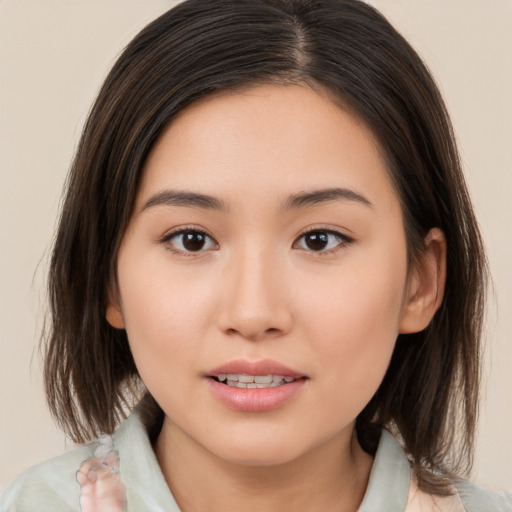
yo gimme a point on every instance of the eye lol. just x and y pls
(189, 240)
(322, 240)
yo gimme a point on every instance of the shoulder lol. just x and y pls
(393, 486)
(48, 486)
(466, 497)
(113, 469)
(478, 499)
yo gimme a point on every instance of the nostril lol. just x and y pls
(255, 334)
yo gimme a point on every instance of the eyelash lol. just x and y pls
(166, 240)
(343, 241)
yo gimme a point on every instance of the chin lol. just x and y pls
(260, 457)
(260, 450)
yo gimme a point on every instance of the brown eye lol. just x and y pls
(322, 241)
(316, 240)
(190, 241)
(193, 241)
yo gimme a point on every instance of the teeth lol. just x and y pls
(263, 379)
(241, 380)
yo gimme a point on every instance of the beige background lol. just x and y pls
(53, 56)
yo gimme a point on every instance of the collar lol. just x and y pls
(387, 490)
(390, 478)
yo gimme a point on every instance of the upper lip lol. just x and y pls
(261, 367)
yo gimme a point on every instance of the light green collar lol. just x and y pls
(147, 489)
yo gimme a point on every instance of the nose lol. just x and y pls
(255, 303)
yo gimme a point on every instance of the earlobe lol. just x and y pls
(114, 314)
(426, 284)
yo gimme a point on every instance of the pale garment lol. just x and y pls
(419, 501)
(121, 474)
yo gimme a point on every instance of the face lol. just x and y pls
(266, 245)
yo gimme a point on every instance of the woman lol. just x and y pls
(267, 239)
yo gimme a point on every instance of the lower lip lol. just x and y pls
(255, 399)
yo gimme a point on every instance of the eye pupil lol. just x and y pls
(193, 241)
(317, 240)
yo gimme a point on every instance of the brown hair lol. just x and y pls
(430, 392)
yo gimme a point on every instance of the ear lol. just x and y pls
(114, 313)
(426, 284)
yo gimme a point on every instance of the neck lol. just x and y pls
(330, 477)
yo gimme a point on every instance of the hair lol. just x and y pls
(429, 395)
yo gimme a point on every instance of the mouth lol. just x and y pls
(255, 386)
(242, 380)
(242, 373)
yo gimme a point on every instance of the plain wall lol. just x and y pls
(53, 56)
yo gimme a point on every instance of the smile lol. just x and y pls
(241, 380)
(255, 386)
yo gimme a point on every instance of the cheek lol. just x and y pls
(165, 313)
(355, 324)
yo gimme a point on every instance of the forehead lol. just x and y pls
(271, 140)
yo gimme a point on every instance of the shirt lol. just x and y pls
(126, 469)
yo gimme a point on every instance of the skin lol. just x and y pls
(258, 291)
(101, 488)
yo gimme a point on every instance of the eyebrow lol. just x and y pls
(296, 201)
(327, 195)
(185, 198)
